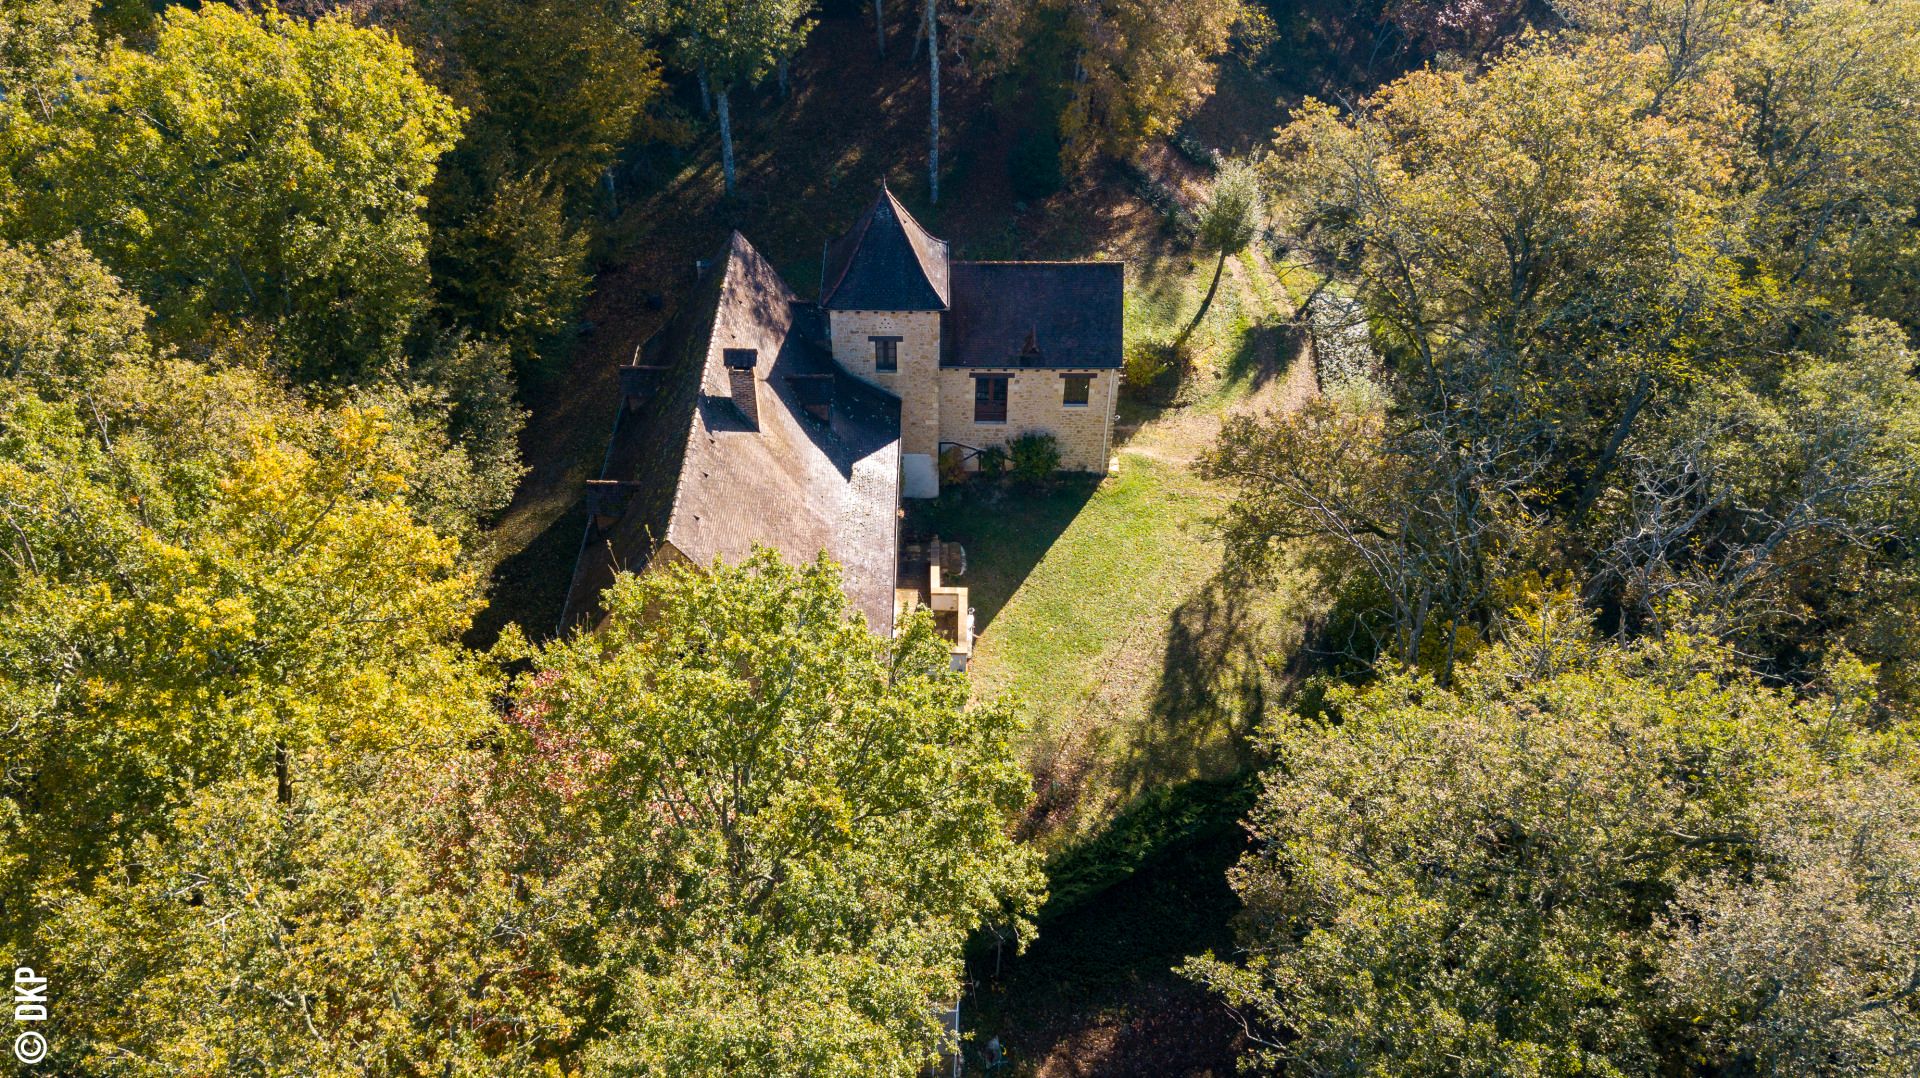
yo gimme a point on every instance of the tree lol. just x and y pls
(733, 832)
(821, 814)
(64, 319)
(1137, 68)
(250, 167)
(1571, 263)
(1575, 863)
(1419, 521)
(1232, 216)
(556, 90)
(736, 42)
(930, 15)
(201, 578)
(43, 45)
(515, 268)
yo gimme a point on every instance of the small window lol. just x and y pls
(886, 353)
(1075, 389)
(990, 399)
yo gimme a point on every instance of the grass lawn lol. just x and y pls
(1096, 599)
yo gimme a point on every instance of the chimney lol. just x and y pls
(639, 382)
(815, 393)
(744, 386)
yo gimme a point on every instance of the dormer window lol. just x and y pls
(886, 353)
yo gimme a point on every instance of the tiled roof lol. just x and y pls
(1035, 314)
(713, 488)
(885, 262)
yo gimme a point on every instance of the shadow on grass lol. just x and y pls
(530, 585)
(1213, 689)
(1006, 529)
(1096, 992)
(1264, 353)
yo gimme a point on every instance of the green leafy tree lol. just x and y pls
(1582, 860)
(732, 832)
(819, 814)
(65, 320)
(515, 268)
(1128, 70)
(43, 45)
(735, 43)
(202, 577)
(1582, 273)
(555, 89)
(250, 167)
(1232, 216)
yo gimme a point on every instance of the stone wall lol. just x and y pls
(917, 383)
(1034, 403)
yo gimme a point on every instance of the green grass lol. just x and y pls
(1098, 601)
(1076, 588)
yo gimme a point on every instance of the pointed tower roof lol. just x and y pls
(885, 262)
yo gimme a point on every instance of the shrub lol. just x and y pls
(993, 460)
(953, 466)
(1035, 456)
(1195, 151)
(1145, 362)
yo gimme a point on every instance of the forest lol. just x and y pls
(1522, 404)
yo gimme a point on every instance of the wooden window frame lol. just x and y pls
(985, 415)
(886, 354)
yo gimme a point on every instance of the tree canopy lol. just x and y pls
(732, 832)
(249, 167)
(1584, 859)
(1581, 269)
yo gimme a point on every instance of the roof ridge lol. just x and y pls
(735, 240)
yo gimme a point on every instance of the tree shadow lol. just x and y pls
(1096, 992)
(1215, 683)
(1265, 353)
(529, 586)
(1005, 527)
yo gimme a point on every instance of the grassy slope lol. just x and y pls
(1097, 602)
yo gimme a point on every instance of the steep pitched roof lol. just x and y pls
(1035, 314)
(885, 262)
(710, 487)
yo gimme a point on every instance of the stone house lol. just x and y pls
(978, 353)
(758, 418)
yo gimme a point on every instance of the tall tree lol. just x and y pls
(1577, 302)
(1583, 860)
(201, 578)
(931, 14)
(250, 167)
(733, 832)
(1232, 216)
(1137, 67)
(737, 43)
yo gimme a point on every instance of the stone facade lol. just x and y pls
(916, 382)
(1034, 403)
(937, 403)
